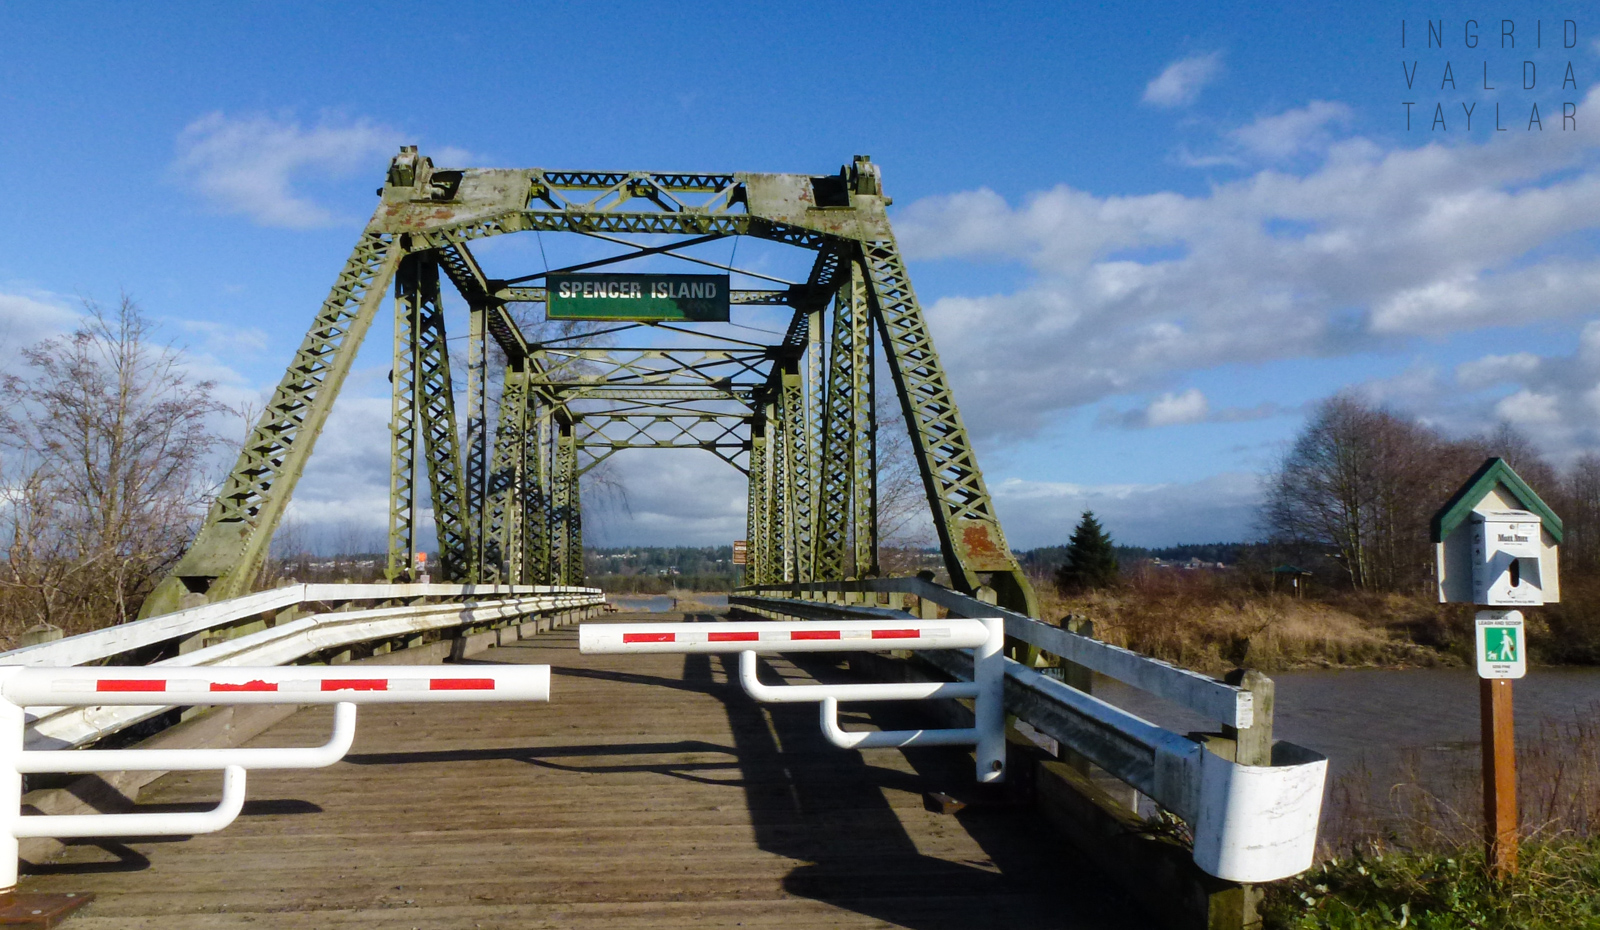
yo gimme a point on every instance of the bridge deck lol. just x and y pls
(647, 794)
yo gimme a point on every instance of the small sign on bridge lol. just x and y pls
(741, 552)
(646, 298)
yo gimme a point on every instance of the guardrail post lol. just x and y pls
(1253, 744)
(1079, 677)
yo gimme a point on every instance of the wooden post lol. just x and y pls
(1499, 776)
(1253, 745)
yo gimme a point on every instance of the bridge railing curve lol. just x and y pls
(1252, 822)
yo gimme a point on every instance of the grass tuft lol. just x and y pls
(1375, 886)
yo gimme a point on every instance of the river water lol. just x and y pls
(1376, 717)
(662, 603)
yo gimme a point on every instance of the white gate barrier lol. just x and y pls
(343, 686)
(983, 636)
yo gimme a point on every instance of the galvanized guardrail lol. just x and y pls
(1251, 822)
(269, 628)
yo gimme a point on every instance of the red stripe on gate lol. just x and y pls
(130, 684)
(355, 684)
(257, 685)
(896, 634)
(733, 637)
(461, 684)
(649, 637)
(814, 634)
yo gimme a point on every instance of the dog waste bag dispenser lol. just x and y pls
(1497, 543)
(1506, 559)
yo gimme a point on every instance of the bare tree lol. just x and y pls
(290, 553)
(1581, 514)
(904, 521)
(1516, 447)
(107, 442)
(1362, 481)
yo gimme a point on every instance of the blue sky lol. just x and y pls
(1147, 236)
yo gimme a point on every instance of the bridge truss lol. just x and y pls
(795, 414)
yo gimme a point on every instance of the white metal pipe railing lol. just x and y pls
(888, 691)
(984, 636)
(71, 826)
(769, 637)
(274, 684)
(890, 739)
(1251, 823)
(57, 726)
(1218, 700)
(343, 686)
(34, 761)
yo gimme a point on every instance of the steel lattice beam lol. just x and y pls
(800, 417)
(232, 545)
(434, 395)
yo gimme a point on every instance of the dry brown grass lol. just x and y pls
(1212, 622)
(1435, 802)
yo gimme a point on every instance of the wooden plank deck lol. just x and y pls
(648, 794)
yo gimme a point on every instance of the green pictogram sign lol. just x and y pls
(1500, 644)
(693, 298)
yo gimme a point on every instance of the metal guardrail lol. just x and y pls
(1217, 700)
(1251, 822)
(287, 641)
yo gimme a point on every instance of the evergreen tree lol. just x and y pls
(1091, 558)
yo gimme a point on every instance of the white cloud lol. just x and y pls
(1173, 409)
(674, 497)
(28, 318)
(346, 481)
(252, 165)
(1191, 406)
(1180, 83)
(451, 156)
(1286, 134)
(1043, 513)
(1496, 369)
(1554, 399)
(1371, 249)
(1528, 409)
(227, 339)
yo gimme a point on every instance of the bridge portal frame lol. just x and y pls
(804, 434)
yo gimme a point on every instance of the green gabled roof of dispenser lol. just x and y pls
(1494, 472)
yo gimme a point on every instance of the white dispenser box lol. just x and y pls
(1496, 543)
(1506, 559)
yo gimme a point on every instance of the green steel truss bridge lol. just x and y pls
(795, 413)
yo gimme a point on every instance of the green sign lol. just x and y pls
(695, 298)
(1500, 645)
